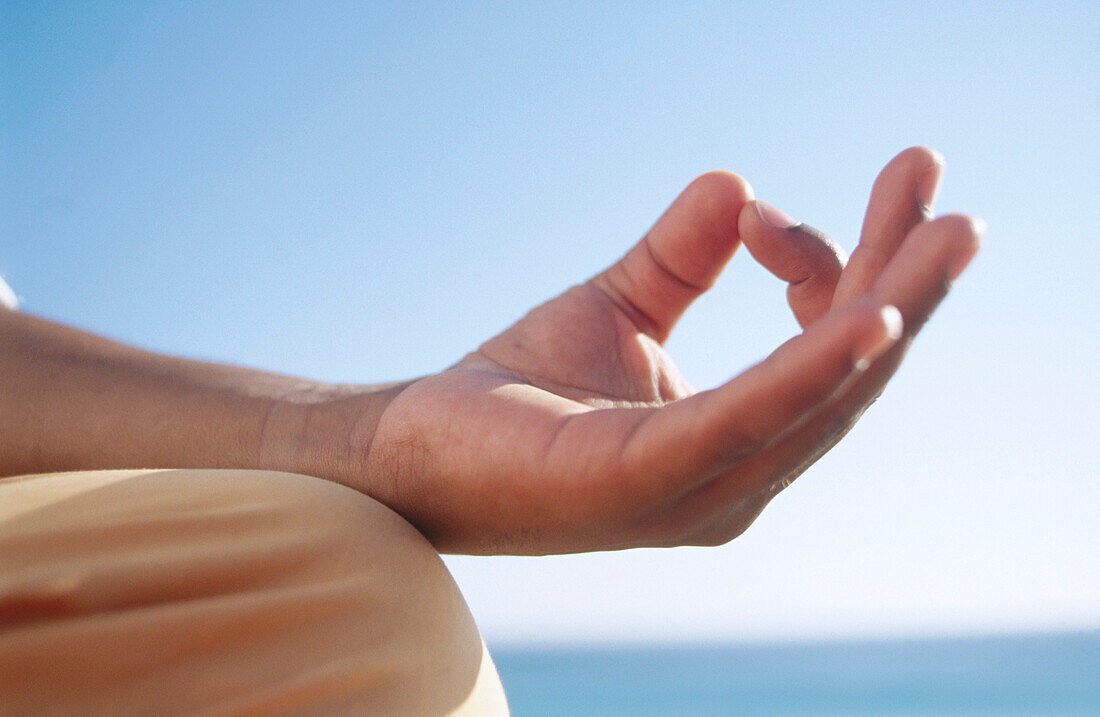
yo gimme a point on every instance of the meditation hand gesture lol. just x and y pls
(572, 430)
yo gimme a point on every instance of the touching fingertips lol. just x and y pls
(774, 216)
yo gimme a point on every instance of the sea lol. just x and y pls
(1006, 675)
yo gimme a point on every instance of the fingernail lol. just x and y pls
(774, 216)
(928, 187)
(961, 260)
(893, 322)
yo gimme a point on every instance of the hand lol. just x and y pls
(572, 430)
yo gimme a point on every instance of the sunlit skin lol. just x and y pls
(570, 431)
(573, 430)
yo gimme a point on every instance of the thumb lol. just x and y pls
(681, 256)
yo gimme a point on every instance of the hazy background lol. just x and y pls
(366, 191)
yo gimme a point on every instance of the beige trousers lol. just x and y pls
(226, 593)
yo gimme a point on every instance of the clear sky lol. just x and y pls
(366, 191)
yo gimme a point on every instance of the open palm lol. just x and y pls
(572, 430)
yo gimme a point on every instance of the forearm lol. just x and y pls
(73, 401)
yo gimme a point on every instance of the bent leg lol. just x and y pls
(226, 592)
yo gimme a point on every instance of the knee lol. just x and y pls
(405, 607)
(311, 596)
(404, 619)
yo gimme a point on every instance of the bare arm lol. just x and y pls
(70, 400)
(572, 430)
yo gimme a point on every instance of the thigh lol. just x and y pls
(226, 592)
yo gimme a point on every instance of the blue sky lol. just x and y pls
(365, 191)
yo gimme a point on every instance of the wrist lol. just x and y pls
(325, 430)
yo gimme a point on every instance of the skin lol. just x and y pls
(570, 431)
